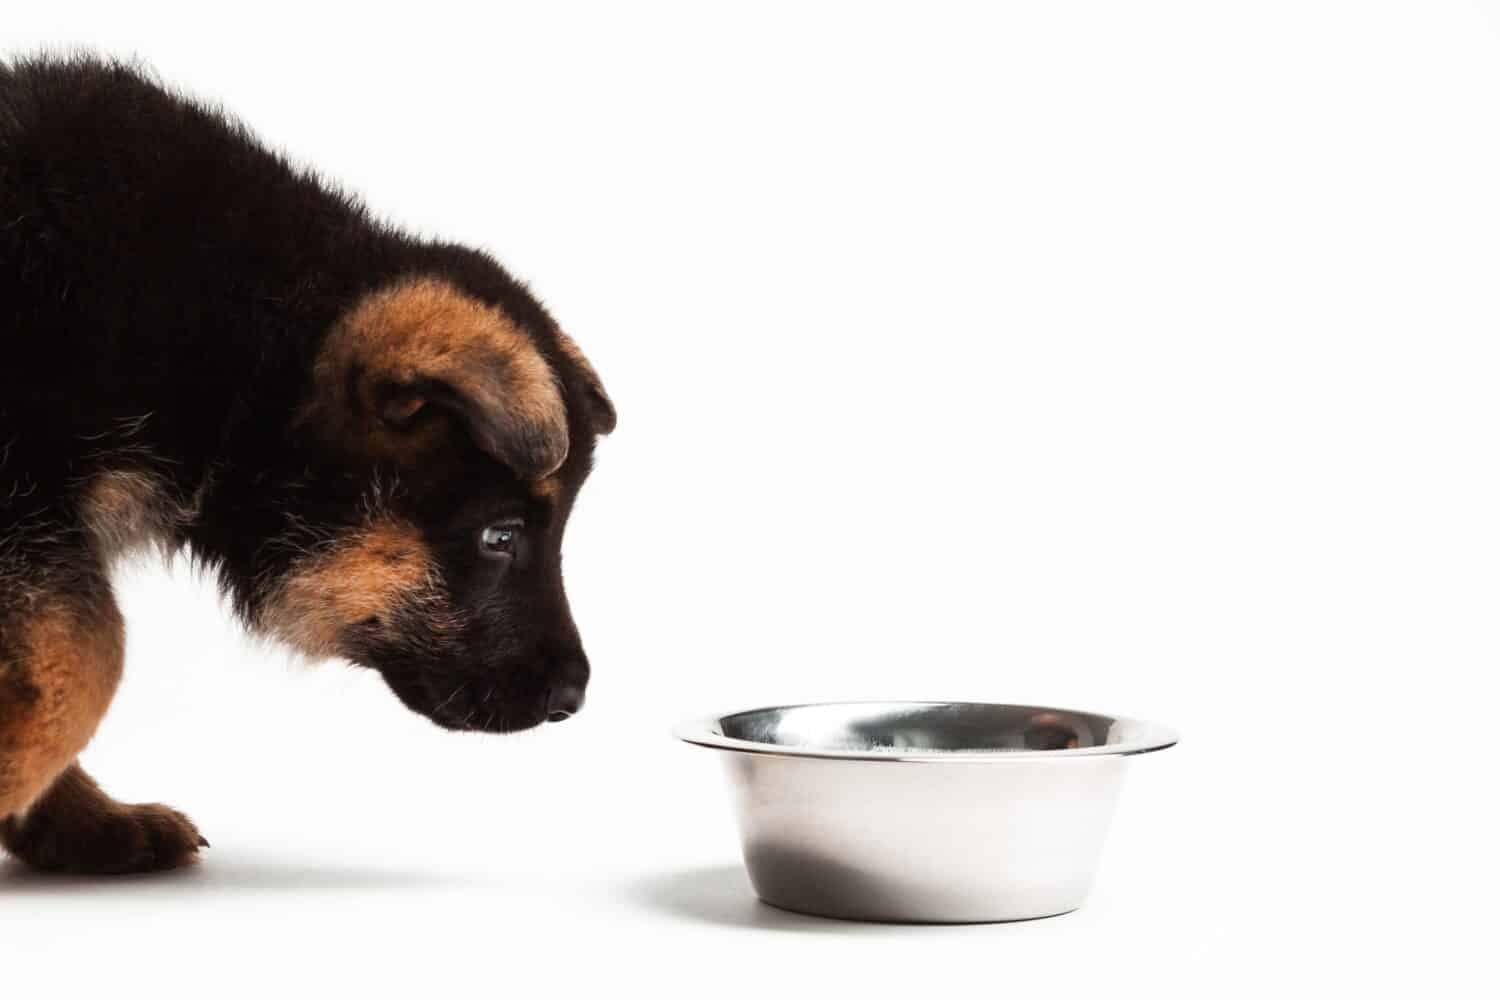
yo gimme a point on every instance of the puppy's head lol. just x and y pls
(464, 428)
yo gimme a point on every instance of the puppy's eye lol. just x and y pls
(498, 540)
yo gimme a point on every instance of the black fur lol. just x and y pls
(166, 283)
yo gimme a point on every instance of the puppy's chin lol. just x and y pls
(485, 720)
(464, 706)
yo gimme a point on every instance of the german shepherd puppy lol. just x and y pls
(373, 441)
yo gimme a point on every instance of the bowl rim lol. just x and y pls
(706, 731)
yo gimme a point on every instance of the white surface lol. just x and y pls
(1138, 357)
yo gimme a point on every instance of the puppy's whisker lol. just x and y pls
(445, 701)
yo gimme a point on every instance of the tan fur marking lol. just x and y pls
(364, 575)
(125, 510)
(427, 330)
(53, 694)
(549, 489)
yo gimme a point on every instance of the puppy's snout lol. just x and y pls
(564, 701)
(565, 696)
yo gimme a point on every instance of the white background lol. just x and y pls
(1129, 356)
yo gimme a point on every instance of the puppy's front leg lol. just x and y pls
(62, 643)
(76, 827)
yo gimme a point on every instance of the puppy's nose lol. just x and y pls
(564, 701)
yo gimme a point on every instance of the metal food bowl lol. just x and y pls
(924, 812)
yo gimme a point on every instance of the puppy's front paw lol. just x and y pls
(117, 841)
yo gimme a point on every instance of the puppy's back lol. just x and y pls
(153, 255)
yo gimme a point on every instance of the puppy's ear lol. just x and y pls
(597, 404)
(407, 364)
(515, 420)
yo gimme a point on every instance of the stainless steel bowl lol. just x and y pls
(926, 812)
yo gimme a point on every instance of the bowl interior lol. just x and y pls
(934, 727)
